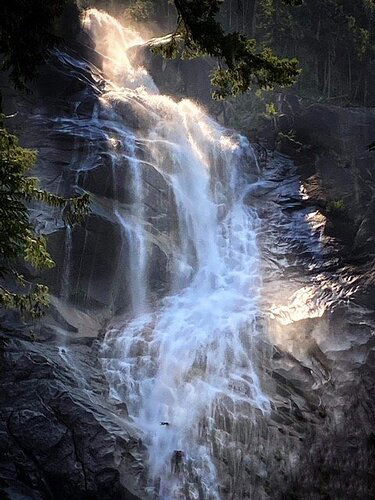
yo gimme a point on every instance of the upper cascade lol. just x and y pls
(112, 42)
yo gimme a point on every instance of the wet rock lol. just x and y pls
(59, 436)
(330, 145)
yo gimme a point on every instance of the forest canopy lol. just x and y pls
(241, 63)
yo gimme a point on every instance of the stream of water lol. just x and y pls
(185, 361)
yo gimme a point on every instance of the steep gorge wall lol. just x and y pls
(61, 436)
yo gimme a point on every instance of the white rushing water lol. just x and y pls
(182, 362)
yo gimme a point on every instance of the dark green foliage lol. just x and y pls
(26, 34)
(293, 3)
(18, 238)
(336, 207)
(141, 10)
(242, 63)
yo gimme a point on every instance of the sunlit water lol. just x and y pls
(183, 362)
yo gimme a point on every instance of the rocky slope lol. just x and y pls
(61, 435)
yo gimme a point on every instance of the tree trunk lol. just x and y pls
(254, 17)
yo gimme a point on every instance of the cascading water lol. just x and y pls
(183, 363)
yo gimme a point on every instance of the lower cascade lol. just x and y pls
(183, 364)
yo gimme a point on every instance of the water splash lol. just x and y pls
(185, 361)
(137, 239)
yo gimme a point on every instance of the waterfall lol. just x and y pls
(183, 363)
(66, 264)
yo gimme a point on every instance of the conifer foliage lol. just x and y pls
(19, 241)
(27, 33)
(241, 63)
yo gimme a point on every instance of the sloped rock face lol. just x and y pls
(65, 120)
(60, 435)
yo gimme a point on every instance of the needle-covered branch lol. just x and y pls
(19, 241)
(242, 64)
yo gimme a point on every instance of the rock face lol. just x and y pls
(331, 146)
(64, 118)
(60, 435)
(320, 370)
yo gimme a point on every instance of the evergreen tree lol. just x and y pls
(242, 64)
(27, 32)
(333, 39)
(19, 241)
(26, 35)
